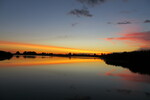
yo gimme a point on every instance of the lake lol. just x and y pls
(72, 78)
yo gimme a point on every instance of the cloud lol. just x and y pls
(147, 21)
(142, 39)
(74, 24)
(130, 22)
(95, 2)
(124, 22)
(109, 22)
(128, 12)
(91, 2)
(80, 12)
(84, 11)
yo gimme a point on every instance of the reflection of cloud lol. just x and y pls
(109, 72)
(80, 12)
(141, 38)
(130, 76)
(91, 2)
(147, 21)
(124, 91)
(147, 93)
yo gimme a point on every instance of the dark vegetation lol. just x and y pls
(5, 55)
(136, 61)
(27, 53)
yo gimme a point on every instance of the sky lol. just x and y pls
(83, 25)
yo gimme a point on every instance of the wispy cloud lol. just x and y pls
(142, 39)
(74, 24)
(84, 11)
(80, 12)
(85, 5)
(91, 2)
(147, 21)
(130, 22)
(124, 22)
(96, 2)
(128, 11)
(120, 23)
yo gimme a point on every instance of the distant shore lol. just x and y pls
(27, 53)
(5, 55)
(136, 61)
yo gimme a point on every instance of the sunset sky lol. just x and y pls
(74, 25)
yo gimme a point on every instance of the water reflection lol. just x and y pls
(44, 60)
(62, 78)
(29, 56)
(128, 76)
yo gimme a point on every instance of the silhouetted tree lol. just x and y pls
(5, 55)
(69, 54)
(25, 52)
(17, 53)
(29, 53)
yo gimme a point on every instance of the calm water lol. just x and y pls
(58, 78)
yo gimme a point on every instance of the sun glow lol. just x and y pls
(15, 46)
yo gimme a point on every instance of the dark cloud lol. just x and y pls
(109, 22)
(81, 12)
(130, 22)
(74, 24)
(125, 22)
(128, 12)
(147, 21)
(84, 11)
(91, 2)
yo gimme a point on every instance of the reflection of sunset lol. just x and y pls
(14, 46)
(38, 60)
(127, 75)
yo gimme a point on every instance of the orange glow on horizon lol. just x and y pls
(15, 46)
